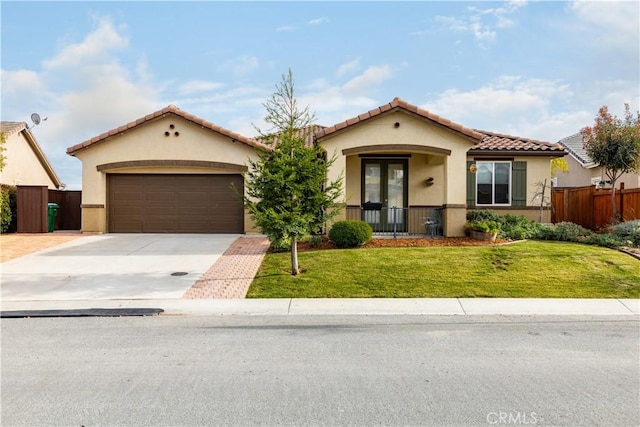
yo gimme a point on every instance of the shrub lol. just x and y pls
(546, 232)
(482, 215)
(350, 233)
(483, 226)
(570, 232)
(518, 227)
(606, 240)
(563, 232)
(316, 241)
(8, 214)
(280, 245)
(628, 231)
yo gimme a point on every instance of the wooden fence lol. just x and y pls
(591, 208)
(32, 209)
(70, 212)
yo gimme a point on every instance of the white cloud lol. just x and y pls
(482, 23)
(533, 108)
(198, 86)
(95, 47)
(84, 90)
(287, 28)
(348, 67)
(370, 78)
(333, 102)
(317, 21)
(510, 104)
(21, 83)
(240, 65)
(612, 24)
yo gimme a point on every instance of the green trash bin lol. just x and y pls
(53, 209)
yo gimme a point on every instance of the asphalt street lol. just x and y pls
(321, 370)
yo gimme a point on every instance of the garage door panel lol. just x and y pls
(131, 223)
(175, 204)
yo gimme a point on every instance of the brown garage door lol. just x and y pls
(175, 204)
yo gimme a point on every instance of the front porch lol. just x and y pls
(404, 193)
(412, 221)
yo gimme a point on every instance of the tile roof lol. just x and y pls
(171, 109)
(9, 128)
(574, 145)
(308, 132)
(395, 105)
(507, 144)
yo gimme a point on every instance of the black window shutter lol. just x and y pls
(519, 184)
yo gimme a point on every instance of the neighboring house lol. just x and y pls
(584, 172)
(171, 172)
(25, 162)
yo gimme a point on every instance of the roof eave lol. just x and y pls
(106, 136)
(511, 153)
(339, 128)
(31, 140)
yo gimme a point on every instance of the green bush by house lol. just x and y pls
(350, 233)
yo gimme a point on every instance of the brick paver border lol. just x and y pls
(231, 275)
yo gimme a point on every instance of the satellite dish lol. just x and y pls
(35, 118)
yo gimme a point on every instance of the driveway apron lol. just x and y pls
(114, 266)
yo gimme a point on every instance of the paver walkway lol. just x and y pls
(231, 275)
(15, 245)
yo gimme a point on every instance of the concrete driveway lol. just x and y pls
(114, 266)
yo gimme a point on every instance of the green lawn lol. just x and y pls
(527, 269)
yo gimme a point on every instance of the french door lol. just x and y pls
(384, 194)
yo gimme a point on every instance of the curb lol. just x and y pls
(356, 306)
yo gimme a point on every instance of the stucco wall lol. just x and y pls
(22, 165)
(447, 170)
(412, 131)
(538, 169)
(148, 142)
(579, 176)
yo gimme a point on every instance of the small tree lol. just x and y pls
(287, 193)
(614, 144)
(557, 164)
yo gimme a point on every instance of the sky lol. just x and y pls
(538, 70)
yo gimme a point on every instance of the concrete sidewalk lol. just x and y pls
(355, 306)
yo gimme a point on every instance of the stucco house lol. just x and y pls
(169, 171)
(26, 163)
(584, 172)
(404, 156)
(172, 172)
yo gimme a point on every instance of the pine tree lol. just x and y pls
(287, 192)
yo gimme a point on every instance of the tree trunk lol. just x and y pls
(294, 257)
(614, 217)
(544, 189)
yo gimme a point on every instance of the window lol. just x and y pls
(493, 183)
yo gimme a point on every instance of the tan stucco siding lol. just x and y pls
(149, 142)
(353, 180)
(22, 165)
(538, 170)
(411, 131)
(579, 176)
(422, 167)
